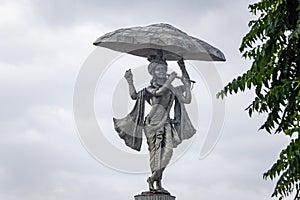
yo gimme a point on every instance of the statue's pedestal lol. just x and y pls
(153, 196)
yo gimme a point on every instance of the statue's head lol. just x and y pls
(158, 67)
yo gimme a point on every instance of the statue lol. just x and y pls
(162, 132)
(158, 43)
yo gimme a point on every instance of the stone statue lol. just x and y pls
(158, 43)
(162, 133)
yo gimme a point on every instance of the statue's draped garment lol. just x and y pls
(162, 133)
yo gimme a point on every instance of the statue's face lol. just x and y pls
(160, 71)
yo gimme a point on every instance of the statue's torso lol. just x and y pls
(159, 105)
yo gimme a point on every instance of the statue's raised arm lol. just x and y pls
(183, 92)
(129, 78)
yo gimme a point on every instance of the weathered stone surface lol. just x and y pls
(154, 197)
(146, 41)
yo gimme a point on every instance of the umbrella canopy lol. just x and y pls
(156, 39)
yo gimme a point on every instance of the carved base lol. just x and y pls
(154, 196)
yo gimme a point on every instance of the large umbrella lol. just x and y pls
(156, 39)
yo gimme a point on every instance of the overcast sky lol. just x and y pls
(43, 47)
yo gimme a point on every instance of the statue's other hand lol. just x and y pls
(172, 76)
(128, 75)
(186, 82)
(181, 63)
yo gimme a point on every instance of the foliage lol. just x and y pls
(273, 46)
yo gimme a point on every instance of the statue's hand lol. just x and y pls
(186, 82)
(181, 63)
(128, 75)
(171, 77)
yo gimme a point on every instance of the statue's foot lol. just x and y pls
(150, 184)
(159, 188)
(159, 185)
(162, 191)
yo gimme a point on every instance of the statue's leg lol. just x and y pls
(151, 148)
(167, 148)
(154, 140)
(167, 152)
(155, 143)
(158, 182)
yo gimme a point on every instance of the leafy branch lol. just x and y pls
(273, 46)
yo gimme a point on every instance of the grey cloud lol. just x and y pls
(112, 13)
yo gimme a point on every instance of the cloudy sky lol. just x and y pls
(44, 45)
